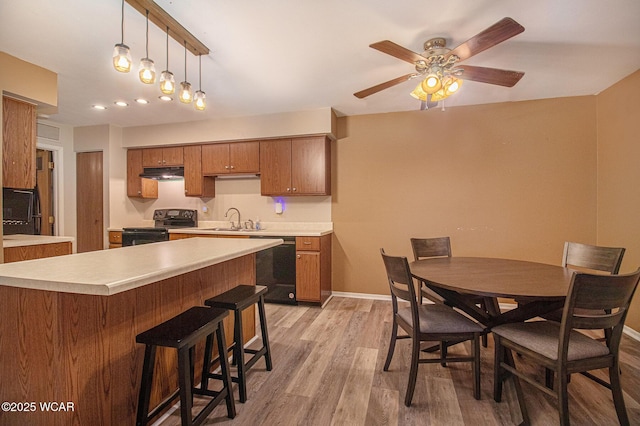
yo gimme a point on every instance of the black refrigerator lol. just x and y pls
(21, 211)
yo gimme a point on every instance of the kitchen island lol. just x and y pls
(19, 247)
(68, 324)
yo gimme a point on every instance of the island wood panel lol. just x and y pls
(38, 251)
(81, 349)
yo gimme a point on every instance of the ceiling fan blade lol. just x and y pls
(496, 76)
(375, 89)
(497, 33)
(397, 51)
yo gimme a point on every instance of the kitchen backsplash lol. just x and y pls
(241, 193)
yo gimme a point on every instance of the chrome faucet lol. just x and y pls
(239, 223)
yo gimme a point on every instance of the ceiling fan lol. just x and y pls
(439, 69)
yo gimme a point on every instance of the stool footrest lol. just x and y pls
(168, 400)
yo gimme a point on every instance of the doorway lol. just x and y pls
(89, 201)
(44, 183)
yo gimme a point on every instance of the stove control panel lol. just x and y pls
(176, 217)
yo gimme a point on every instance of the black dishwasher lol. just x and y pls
(276, 269)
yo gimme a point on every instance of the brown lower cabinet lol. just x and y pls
(313, 269)
(115, 239)
(38, 251)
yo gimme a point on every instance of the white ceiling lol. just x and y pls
(271, 56)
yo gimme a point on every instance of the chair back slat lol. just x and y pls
(595, 258)
(431, 247)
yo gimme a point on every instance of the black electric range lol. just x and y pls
(164, 219)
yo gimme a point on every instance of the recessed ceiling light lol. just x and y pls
(142, 101)
(121, 103)
(165, 98)
(98, 107)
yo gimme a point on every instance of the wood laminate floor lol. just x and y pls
(327, 370)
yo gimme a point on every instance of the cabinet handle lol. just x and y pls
(295, 189)
(186, 192)
(226, 167)
(298, 256)
(308, 243)
(288, 189)
(232, 167)
(139, 192)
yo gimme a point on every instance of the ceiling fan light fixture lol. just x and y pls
(452, 85)
(419, 94)
(431, 83)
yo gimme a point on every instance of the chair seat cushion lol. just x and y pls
(440, 319)
(543, 337)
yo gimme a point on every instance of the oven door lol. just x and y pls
(276, 269)
(137, 236)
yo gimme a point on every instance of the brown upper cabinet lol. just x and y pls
(137, 186)
(160, 157)
(19, 143)
(229, 158)
(299, 166)
(195, 184)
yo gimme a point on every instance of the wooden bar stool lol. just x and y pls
(183, 332)
(238, 299)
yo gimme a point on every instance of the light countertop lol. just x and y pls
(20, 240)
(108, 272)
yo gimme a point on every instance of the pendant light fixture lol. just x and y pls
(167, 82)
(147, 70)
(121, 54)
(186, 95)
(200, 99)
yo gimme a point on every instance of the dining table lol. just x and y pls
(538, 288)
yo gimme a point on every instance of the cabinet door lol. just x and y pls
(172, 156)
(195, 184)
(244, 157)
(152, 157)
(308, 276)
(19, 144)
(275, 167)
(215, 159)
(310, 166)
(137, 186)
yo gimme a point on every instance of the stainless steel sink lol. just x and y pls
(229, 229)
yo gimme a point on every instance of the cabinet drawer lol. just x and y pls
(115, 237)
(308, 243)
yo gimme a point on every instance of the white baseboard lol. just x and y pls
(627, 330)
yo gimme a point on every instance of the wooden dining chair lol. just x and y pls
(427, 248)
(586, 258)
(564, 350)
(429, 322)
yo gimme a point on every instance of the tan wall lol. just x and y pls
(618, 110)
(511, 180)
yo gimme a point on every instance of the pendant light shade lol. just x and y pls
(200, 99)
(147, 70)
(186, 95)
(167, 82)
(121, 54)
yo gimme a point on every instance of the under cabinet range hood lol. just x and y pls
(163, 173)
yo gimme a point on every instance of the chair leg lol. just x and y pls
(226, 374)
(392, 344)
(265, 333)
(238, 354)
(145, 385)
(443, 353)
(475, 347)
(497, 369)
(413, 373)
(618, 398)
(563, 397)
(184, 381)
(206, 364)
